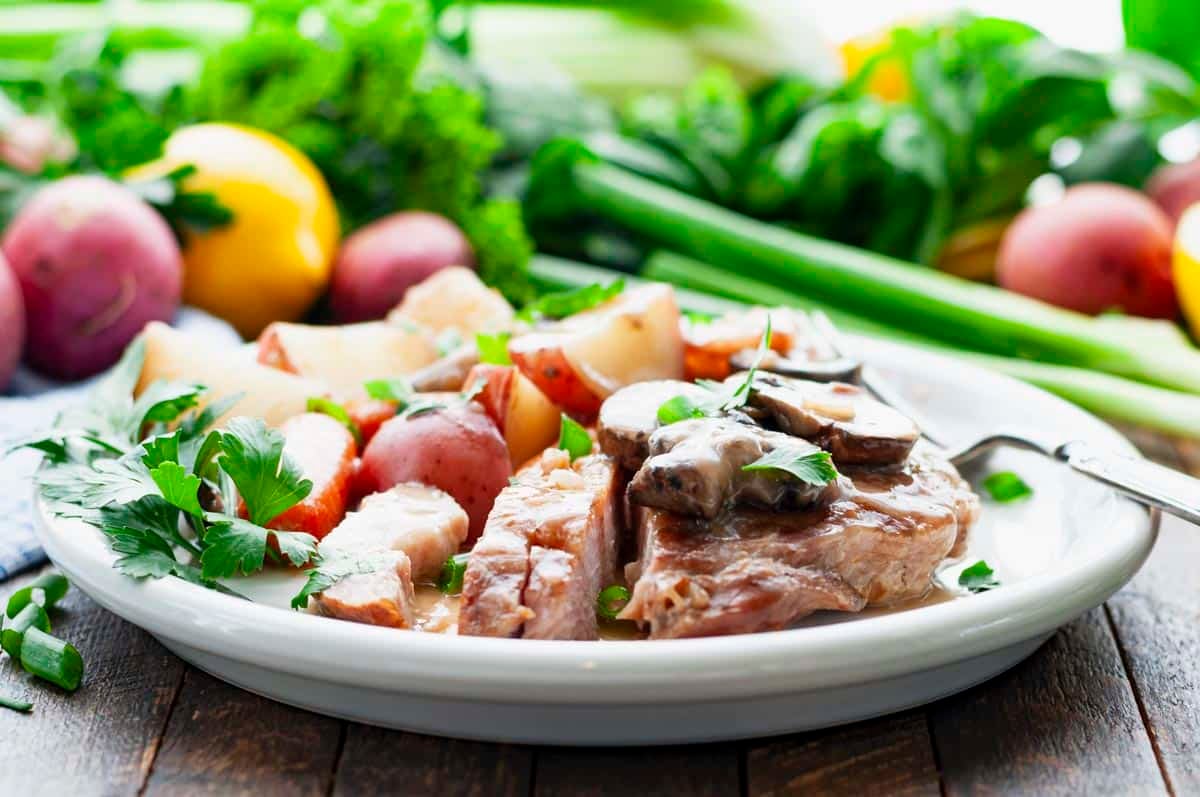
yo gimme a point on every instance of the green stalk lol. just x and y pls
(933, 304)
(1113, 397)
(22, 706)
(51, 659)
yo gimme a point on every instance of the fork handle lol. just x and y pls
(1141, 480)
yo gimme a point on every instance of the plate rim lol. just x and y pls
(575, 672)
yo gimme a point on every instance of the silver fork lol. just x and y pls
(1143, 481)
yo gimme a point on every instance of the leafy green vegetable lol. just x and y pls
(978, 577)
(573, 438)
(611, 600)
(184, 210)
(1168, 28)
(453, 569)
(493, 348)
(1005, 487)
(233, 545)
(338, 413)
(267, 479)
(568, 303)
(814, 467)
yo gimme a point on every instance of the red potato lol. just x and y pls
(325, 452)
(582, 360)
(1101, 247)
(95, 265)
(526, 418)
(378, 263)
(457, 449)
(1175, 187)
(12, 324)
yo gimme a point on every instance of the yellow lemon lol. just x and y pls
(1187, 265)
(275, 258)
(888, 81)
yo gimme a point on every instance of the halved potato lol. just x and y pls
(270, 394)
(454, 298)
(344, 357)
(527, 419)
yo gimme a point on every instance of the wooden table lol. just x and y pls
(1110, 705)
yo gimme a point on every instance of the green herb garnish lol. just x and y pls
(681, 408)
(611, 601)
(338, 413)
(978, 577)
(573, 438)
(1006, 486)
(409, 402)
(331, 568)
(32, 616)
(723, 397)
(568, 303)
(453, 569)
(13, 704)
(815, 467)
(493, 349)
(51, 659)
(45, 590)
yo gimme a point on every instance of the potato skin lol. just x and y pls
(1175, 187)
(12, 324)
(95, 265)
(379, 262)
(1101, 247)
(457, 449)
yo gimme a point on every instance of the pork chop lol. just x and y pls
(877, 543)
(380, 597)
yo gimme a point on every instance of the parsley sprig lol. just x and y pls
(811, 467)
(567, 303)
(721, 397)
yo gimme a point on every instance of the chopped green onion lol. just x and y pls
(611, 601)
(47, 589)
(52, 659)
(978, 577)
(568, 303)
(14, 704)
(338, 413)
(32, 616)
(493, 349)
(1006, 486)
(574, 439)
(815, 467)
(453, 570)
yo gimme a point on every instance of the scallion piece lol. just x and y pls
(51, 659)
(32, 616)
(14, 704)
(493, 349)
(1005, 487)
(574, 439)
(611, 601)
(52, 586)
(453, 570)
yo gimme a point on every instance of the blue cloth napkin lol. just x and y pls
(37, 402)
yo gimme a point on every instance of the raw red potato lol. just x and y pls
(1101, 247)
(12, 324)
(456, 449)
(1175, 187)
(95, 265)
(634, 337)
(381, 261)
(526, 418)
(324, 450)
(707, 347)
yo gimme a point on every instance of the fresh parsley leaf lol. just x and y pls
(409, 401)
(1006, 486)
(150, 514)
(573, 438)
(163, 402)
(741, 392)
(161, 449)
(332, 568)
(493, 349)
(233, 544)
(104, 482)
(338, 413)
(978, 577)
(180, 488)
(724, 397)
(453, 569)
(267, 479)
(681, 408)
(697, 317)
(813, 467)
(568, 303)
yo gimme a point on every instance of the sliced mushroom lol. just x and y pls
(841, 369)
(629, 416)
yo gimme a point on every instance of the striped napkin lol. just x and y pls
(37, 402)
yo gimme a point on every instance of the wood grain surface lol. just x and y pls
(1109, 705)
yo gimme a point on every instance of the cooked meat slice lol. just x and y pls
(549, 547)
(325, 451)
(695, 468)
(382, 597)
(879, 542)
(629, 416)
(423, 522)
(840, 418)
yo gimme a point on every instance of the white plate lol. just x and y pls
(1058, 555)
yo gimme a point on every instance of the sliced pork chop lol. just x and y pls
(840, 418)
(549, 547)
(381, 597)
(695, 468)
(877, 543)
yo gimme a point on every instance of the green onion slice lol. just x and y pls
(52, 659)
(453, 569)
(1006, 487)
(611, 601)
(574, 439)
(32, 616)
(47, 589)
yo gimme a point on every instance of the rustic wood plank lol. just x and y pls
(378, 761)
(1155, 619)
(700, 770)
(1063, 722)
(890, 755)
(222, 740)
(101, 739)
